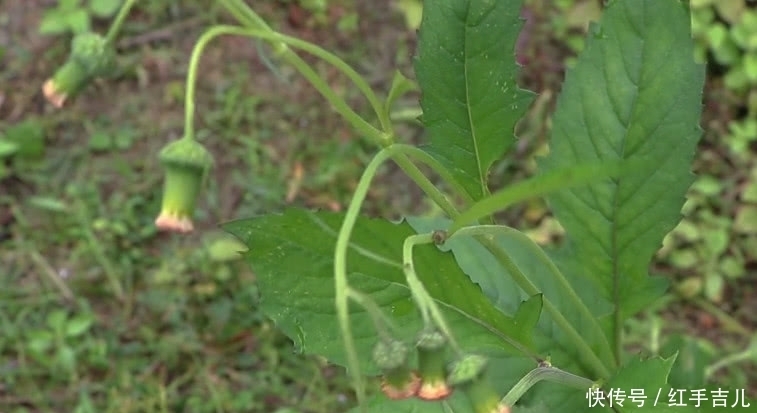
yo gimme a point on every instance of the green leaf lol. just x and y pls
(533, 187)
(650, 378)
(78, 325)
(7, 148)
(400, 86)
(634, 95)
(53, 22)
(292, 256)
(29, 137)
(104, 8)
(484, 269)
(467, 74)
(78, 21)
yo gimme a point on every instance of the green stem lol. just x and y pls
(337, 102)
(724, 318)
(115, 27)
(245, 15)
(425, 302)
(194, 62)
(340, 269)
(744, 355)
(548, 373)
(423, 156)
(484, 234)
(428, 188)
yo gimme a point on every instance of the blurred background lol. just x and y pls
(100, 313)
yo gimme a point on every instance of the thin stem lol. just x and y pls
(115, 27)
(337, 102)
(425, 302)
(194, 62)
(546, 373)
(340, 270)
(244, 14)
(335, 61)
(423, 156)
(412, 171)
(724, 318)
(744, 355)
(248, 17)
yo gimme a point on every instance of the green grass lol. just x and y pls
(99, 312)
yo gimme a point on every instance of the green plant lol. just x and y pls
(52, 346)
(75, 16)
(727, 30)
(512, 315)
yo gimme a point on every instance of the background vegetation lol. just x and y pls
(98, 312)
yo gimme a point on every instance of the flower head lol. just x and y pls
(186, 165)
(398, 381)
(91, 56)
(431, 347)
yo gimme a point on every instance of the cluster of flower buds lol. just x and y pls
(91, 56)
(434, 378)
(186, 163)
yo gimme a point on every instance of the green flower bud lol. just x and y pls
(431, 346)
(399, 381)
(469, 374)
(186, 165)
(91, 56)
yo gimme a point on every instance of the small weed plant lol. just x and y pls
(460, 314)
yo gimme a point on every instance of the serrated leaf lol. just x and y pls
(634, 94)
(467, 74)
(292, 256)
(484, 269)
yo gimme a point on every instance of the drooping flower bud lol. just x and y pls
(91, 56)
(431, 345)
(468, 373)
(399, 381)
(186, 164)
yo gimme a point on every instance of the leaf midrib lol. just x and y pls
(477, 154)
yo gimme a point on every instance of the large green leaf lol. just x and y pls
(292, 256)
(635, 95)
(467, 74)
